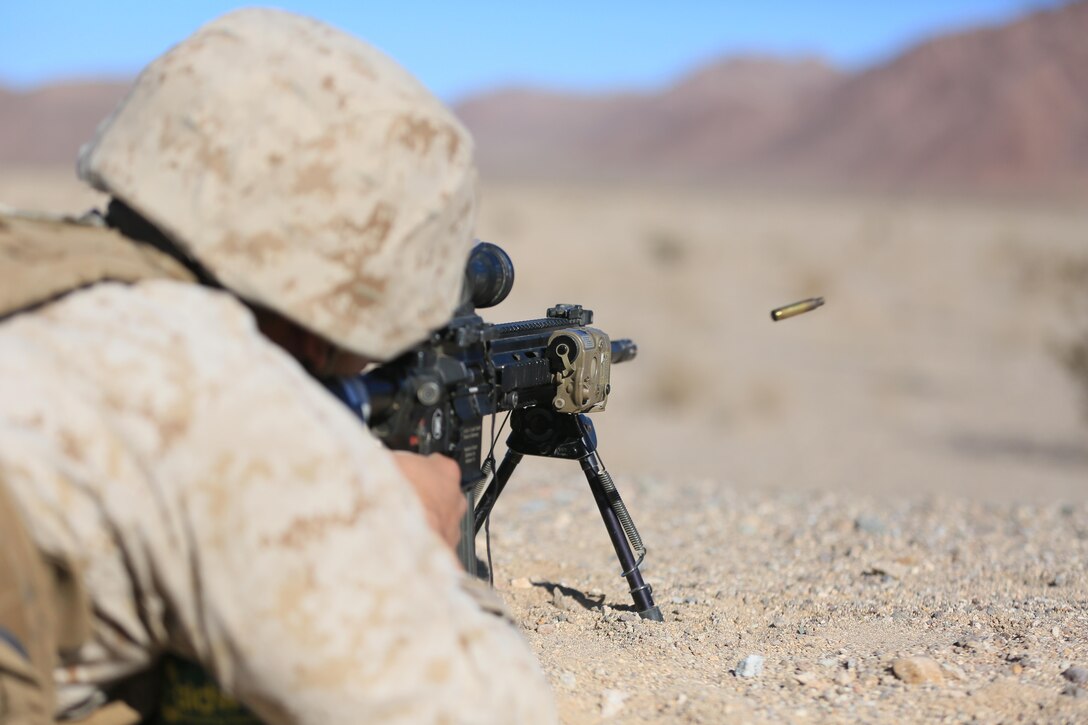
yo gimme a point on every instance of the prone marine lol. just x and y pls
(285, 202)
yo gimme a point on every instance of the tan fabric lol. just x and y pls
(222, 506)
(26, 682)
(44, 606)
(305, 169)
(23, 698)
(42, 258)
(115, 713)
(486, 598)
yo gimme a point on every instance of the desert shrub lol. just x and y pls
(1072, 353)
(1074, 358)
(666, 248)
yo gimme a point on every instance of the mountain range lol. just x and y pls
(997, 109)
(45, 126)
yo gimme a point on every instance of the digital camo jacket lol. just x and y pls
(222, 506)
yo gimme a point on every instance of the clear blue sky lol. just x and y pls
(461, 46)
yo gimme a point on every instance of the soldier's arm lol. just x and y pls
(437, 482)
(319, 594)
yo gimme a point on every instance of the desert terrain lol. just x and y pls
(875, 512)
(898, 474)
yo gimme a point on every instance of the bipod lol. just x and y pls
(542, 432)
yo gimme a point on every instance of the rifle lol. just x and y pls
(546, 374)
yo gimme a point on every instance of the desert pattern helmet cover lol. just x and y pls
(305, 169)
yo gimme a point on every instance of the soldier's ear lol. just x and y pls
(317, 354)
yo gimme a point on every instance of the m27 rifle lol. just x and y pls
(545, 374)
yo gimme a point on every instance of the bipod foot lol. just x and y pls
(653, 614)
(543, 432)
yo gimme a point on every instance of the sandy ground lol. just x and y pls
(898, 474)
(830, 590)
(930, 370)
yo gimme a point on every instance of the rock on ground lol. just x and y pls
(918, 671)
(750, 666)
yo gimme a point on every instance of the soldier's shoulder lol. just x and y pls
(44, 256)
(150, 309)
(160, 341)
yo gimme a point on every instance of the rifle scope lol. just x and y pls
(489, 276)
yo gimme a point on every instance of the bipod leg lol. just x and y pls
(611, 507)
(543, 432)
(491, 494)
(466, 545)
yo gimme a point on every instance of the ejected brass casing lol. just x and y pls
(797, 308)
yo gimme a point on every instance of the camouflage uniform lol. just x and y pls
(213, 500)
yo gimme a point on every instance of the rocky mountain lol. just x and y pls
(1001, 109)
(47, 125)
(725, 112)
(995, 109)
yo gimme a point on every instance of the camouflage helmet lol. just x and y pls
(307, 171)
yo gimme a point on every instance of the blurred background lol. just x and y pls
(682, 170)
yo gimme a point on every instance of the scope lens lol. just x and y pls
(489, 276)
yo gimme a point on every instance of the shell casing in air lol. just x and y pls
(797, 308)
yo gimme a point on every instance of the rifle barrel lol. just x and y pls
(623, 350)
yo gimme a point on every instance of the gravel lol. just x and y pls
(1076, 675)
(750, 666)
(806, 604)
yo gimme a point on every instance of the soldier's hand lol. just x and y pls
(437, 481)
